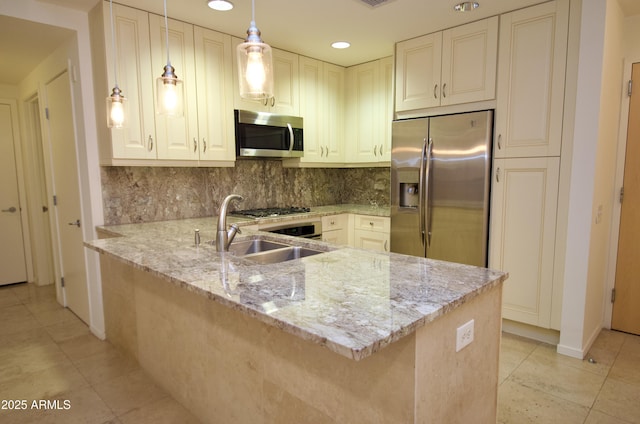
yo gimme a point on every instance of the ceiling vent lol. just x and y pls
(375, 3)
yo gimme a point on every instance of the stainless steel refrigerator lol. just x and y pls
(440, 178)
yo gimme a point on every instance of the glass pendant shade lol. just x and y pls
(169, 93)
(117, 109)
(255, 67)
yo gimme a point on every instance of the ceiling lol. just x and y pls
(302, 26)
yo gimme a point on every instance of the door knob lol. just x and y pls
(12, 209)
(77, 223)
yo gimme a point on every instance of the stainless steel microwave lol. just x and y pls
(262, 134)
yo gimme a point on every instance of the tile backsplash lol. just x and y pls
(145, 194)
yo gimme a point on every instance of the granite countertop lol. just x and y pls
(352, 301)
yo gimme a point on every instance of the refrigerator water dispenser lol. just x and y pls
(408, 195)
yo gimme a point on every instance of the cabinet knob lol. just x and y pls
(371, 223)
(204, 145)
(444, 90)
(435, 91)
(150, 143)
(499, 141)
(195, 145)
(375, 150)
(498, 175)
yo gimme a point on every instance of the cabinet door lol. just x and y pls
(418, 72)
(135, 79)
(177, 136)
(285, 84)
(215, 96)
(363, 112)
(533, 48)
(383, 153)
(286, 96)
(334, 108)
(371, 240)
(522, 236)
(312, 108)
(469, 54)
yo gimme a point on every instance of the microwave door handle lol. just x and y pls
(291, 139)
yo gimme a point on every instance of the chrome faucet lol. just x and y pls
(224, 237)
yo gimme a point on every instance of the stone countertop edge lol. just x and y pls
(131, 246)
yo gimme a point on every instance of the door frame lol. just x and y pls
(618, 183)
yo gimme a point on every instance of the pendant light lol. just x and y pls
(117, 105)
(169, 89)
(255, 64)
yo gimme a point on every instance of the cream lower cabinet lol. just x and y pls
(522, 235)
(369, 111)
(371, 232)
(531, 74)
(335, 229)
(449, 67)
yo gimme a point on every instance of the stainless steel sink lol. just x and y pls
(280, 255)
(248, 247)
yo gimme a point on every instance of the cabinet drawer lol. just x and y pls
(335, 222)
(372, 223)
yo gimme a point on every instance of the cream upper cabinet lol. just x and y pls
(522, 236)
(135, 79)
(533, 48)
(368, 124)
(216, 133)
(202, 60)
(177, 136)
(322, 108)
(449, 67)
(286, 96)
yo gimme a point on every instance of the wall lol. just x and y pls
(592, 188)
(632, 37)
(605, 193)
(84, 118)
(143, 194)
(582, 177)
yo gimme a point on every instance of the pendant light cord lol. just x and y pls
(166, 27)
(253, 10)
(113, 45)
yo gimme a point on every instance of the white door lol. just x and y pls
(66, 189)
(13, 267)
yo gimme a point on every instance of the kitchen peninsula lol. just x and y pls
(348, 335)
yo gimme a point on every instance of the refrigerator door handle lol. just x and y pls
(421, 209)
(427, 219)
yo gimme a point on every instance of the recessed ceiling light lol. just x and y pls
(340, 45)
(466, 6)
(221, 5)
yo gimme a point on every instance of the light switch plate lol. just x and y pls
(464, 335)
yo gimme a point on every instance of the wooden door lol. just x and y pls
(66, 187)
(626, 308)
(13, 267)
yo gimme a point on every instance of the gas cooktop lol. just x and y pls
(266, 212)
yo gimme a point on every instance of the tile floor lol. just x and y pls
(47, 353)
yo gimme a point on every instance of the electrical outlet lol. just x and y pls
(464, 335)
